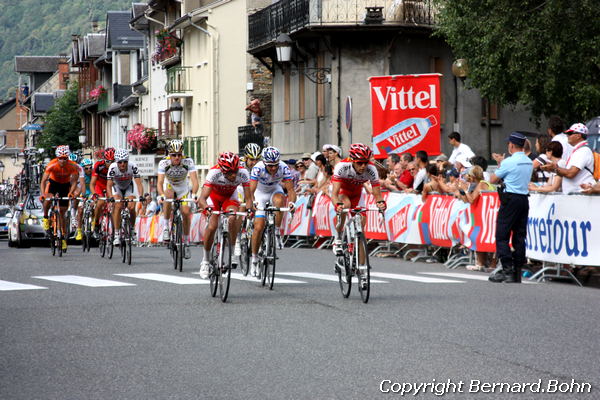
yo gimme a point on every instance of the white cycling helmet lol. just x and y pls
(63, 151)
(122, 155)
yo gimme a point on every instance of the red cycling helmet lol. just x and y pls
(109, 154)
(228, 162)
(360, 152)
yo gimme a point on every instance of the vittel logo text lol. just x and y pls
(405, 99)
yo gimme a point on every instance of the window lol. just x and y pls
(301, 94)
(494, 113)
(286, 95)
(320, 90)
(195, 148)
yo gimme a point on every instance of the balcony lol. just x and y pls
(103, 102)
(196, 147)
(178, 80)
(293, 15)
(249, 134)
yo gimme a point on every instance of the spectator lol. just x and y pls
(301, 168)
(541, 146)
(588, 188)
(440, 161)
(553, 182)
(527, 150)
(321, 162)
(556, 127)
(434, 182)
(462, 165)
(459, 148)
(311, 169)
(482, 162)
(256, 113)
(294, 172)
(392, 160)
(391, 182)
(333, 154)
(477, 185)
(580, 164)
(422, 160)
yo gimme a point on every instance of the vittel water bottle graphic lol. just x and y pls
(403, 135)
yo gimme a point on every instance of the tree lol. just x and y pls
(63, 123)
(544, 54)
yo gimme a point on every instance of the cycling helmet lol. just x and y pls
(175, 146)
(86, 161)
(74, 157)
(360, 152)
(99, 154)
(121, 155)
(63, 151)
(228, 162)
(271, 155)
(109, 154)
(252, 150)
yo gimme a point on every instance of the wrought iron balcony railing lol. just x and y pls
(103, 101)
(178, 80)
(196, 147)
(249, 134)
(292, 15)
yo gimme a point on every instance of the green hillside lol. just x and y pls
(44, 28)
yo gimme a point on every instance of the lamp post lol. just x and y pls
(175, 111)
(283, 49)
(123, 122)
(460, 69)
(82, 137)
(2, 171)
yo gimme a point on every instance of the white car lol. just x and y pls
(25, 224)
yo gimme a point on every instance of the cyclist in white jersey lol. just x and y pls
(176, 170)
(220, 194)
(119, 185)
(266, 182)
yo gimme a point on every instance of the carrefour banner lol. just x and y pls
(405, 114)
(564, 229)
(299, 223)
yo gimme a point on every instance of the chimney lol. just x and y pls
(63, 71)
(94, 25)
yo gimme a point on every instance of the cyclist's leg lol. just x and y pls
(278, 200)
(169, 193)
(361, 254)
(98, 208)
(234, 222)
(337, 233)
(129, 194)
(116, 212)
(261, 199)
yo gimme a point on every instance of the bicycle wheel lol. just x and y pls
(102, 242)
(213, 276)
(244, 254)
(363, 276)
(52, 233)
(344, 274)
(179, 244)
(270, 260)
(110, 238)
(224, 267)
(59, 240)
(264, 248)
(52, 244)
(128, 243)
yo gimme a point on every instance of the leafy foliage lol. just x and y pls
(63, 123)
(541, 53)
(44, 28)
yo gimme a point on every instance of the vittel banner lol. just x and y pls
(406, 114)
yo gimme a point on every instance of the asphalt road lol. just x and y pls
(152, 339)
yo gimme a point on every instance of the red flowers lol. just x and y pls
(141, 138)
(97, 92)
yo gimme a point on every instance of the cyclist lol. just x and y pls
(219, 192)
(119, 185)
(98, 182)
(60, 177)
(176, 168)
(86, 164)
(349, 177)
(266, 182)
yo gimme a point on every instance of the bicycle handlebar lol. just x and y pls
(283, 209)
(360, 210)
(179, 200)
(229, 213)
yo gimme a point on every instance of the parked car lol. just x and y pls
(25, 224)
(5, 214)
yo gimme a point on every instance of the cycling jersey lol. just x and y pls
(123, 180)
(224, 192)
(87, 178)
(100, 171)
(268, 182)
(351, 181)
(176, 175)
(63, 174)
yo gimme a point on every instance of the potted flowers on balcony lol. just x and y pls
(141, 138)
(97, 92)
(167, 45)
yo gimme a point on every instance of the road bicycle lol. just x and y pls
(176, 237)
(107, 234)
(86, 223)
(71, 219)
(354, 248)
(126, 231)
(244, 240)
(267, 253)
(220, 269)
(55, 233)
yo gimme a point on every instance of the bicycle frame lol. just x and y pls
(176, 243)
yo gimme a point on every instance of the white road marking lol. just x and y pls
(83, 280)
(323, 277)
(413, 278)
(475, 277)
(179, 280)
(6, 285)
(249, 278)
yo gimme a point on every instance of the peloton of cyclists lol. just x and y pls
(176, 169)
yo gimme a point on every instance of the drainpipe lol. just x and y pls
(214, 40)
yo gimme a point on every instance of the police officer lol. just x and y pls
(514, 208)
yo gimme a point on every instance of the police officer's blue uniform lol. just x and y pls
(514, 209)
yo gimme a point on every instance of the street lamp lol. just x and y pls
(175, 111)
(460, 69)
(283, 48)
(82, 137)
(123, 120)
(2, 170)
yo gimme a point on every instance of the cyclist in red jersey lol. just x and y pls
(349, 177)
(220, 193)
(98, 182)
(60, 177)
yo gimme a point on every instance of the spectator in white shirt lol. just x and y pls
(422, 160)
(555, 129)
(580, 164)
(459, 148)
(553, 182)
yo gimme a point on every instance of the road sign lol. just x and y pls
(145, 164)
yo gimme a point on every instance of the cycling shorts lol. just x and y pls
(221, 203)
(356, 200)
(62, 189)
(128, 192)
(261, 198)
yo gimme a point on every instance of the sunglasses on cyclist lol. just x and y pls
(122, 162)
(361, 163)
(87, 168)
(63, 158)
(271, 165)
(176, 155)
